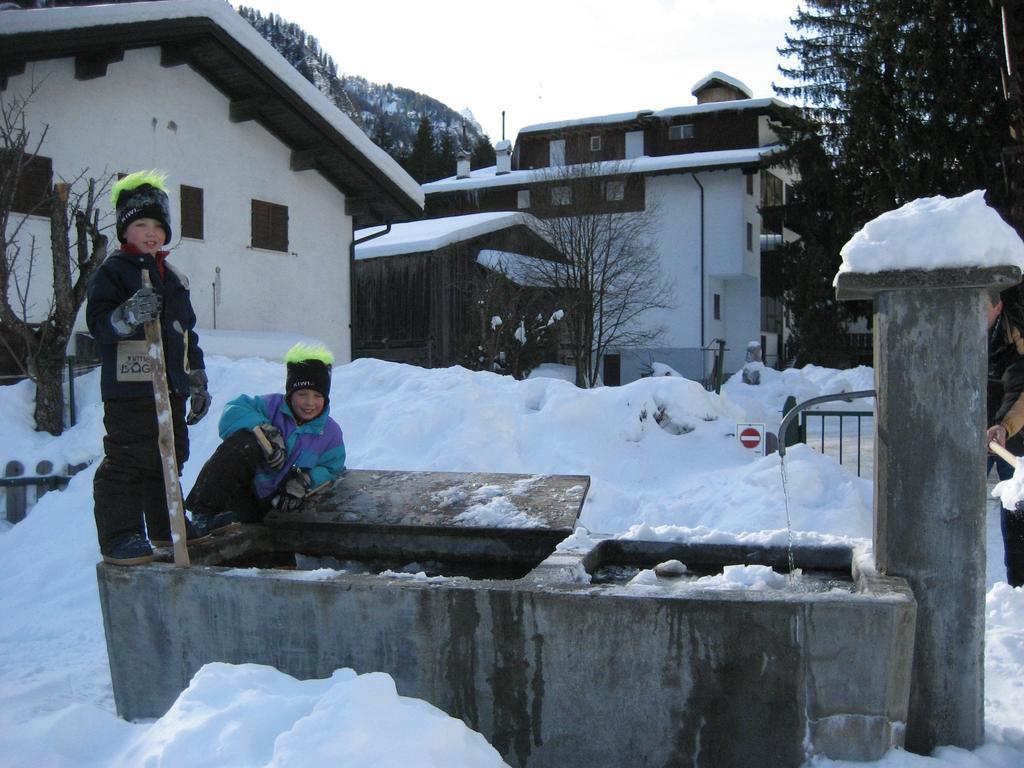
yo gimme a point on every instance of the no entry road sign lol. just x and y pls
(751, 436)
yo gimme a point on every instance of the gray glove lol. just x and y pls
(291, 496)
(278, 451)
(141, 307)
(199, 396)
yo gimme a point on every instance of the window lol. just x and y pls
(718, 306)
(523, 198)
(615, 190)
(750, 236)
(33, 192)
(556, 152)
(771, 190)
(750, 184)
(192, 212)
(595, 143)
(634, 144)
(684, 131)
(269, 226)
(561, 195)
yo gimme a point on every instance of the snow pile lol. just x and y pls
(763, 402)
(934, 233)
(665, 466)
(1011, 492)
(758, 577)
(342, 720)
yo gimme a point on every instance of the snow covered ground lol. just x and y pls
(664, 464)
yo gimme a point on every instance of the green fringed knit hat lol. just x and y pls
(141, 195)
(309, 367)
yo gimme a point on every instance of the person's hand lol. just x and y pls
(141, 307)
(996, 433)
(291, 496)
(274, 450)
(199, 395)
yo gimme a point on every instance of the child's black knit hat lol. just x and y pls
(309, 367)
(141, 195)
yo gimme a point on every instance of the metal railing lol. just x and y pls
(15, 484)
(801, 410)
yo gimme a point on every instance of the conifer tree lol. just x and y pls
(905, 102)
(421, 161)
(483, 153)
(444, 158)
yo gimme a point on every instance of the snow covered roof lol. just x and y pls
(431, 234)
(560, 125)
(212, 38)
(736, 105)
(619, 118)
(719, 160)
(721, 77)
(517, 267)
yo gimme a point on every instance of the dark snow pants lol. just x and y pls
(225, 483)
(1012, 524)
(128, 489)
(1013, 546)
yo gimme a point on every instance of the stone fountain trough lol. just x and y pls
(547, 652)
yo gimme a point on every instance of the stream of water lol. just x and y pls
(789, 526)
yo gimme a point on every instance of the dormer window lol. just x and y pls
(684, 131)
(595, 143)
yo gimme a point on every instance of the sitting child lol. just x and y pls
(276, 450)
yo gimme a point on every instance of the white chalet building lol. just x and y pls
(268, 179)
(709, 172)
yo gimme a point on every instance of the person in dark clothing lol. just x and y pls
(1006, 413)
(128, 490)
(276, 450)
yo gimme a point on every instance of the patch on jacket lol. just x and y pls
(133, 361)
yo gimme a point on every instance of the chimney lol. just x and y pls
(718, 86)
(503, 154)
(462, 164)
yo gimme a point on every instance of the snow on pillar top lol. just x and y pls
(934, 233)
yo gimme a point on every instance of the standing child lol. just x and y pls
(276, 450)
(128, 489)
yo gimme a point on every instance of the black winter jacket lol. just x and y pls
(1005, 381)
(125, 368)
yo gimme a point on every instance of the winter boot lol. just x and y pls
(132, 549)
(194, 534)
(220, 522)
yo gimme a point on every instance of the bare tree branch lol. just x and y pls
(611, 275)
(35, 336)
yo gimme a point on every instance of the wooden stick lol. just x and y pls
(162, 396)
(1003, 454)
(262, 440)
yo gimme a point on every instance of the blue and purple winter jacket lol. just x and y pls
(315, 447)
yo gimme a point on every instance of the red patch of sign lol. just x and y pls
(750, 438)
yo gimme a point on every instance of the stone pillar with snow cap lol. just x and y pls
(928, 267)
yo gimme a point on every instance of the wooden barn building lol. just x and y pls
(431, 292)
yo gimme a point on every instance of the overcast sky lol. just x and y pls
(545, 60)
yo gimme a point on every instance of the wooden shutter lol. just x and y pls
(269, 226)
(191, 212)
(34, 188)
